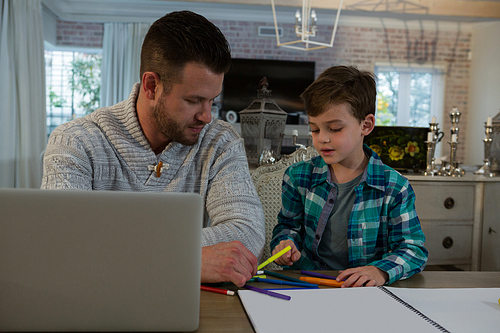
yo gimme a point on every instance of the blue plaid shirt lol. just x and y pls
(383, 230)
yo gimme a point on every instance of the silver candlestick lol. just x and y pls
(486, 168)
(434, 128)
(455, 118)
(431, 169)
(455, 169)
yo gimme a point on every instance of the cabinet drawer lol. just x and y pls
(444, 201)
(448, 244)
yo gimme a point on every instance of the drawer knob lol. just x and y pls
(449, 203)
(447, 242)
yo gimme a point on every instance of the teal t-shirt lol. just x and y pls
(333, 246)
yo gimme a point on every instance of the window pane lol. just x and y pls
(387, 98)
(73, 82)
(420, 99)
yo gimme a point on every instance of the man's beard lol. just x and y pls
(170, 128)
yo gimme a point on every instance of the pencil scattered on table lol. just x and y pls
(281, 276)
(322, 282)
(318, 275)
(217, 290)
(288, 283)
(268, 292)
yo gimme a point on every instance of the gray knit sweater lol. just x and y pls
(107, 150)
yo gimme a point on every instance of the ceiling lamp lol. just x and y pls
(306, 27)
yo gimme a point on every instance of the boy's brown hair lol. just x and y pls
(342, 84)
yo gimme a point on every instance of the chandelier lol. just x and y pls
(306, 27)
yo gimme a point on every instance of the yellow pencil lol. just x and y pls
(276, 256)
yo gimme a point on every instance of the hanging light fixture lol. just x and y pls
(306, 27)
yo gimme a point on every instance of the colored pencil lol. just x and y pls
(217, 290)
(281, 276)
(288, 283)
(322, 282)
(273, 258)
(319, 275)
(267, 292)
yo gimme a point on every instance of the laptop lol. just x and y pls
(99, 260)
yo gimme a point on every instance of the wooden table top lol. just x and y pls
(226, 314)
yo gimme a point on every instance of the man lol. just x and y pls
(163, 138)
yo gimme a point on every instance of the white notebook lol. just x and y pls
(369, 309)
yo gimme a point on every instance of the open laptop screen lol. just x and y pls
(99, 260)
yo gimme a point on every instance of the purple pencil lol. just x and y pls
(319, 275)
(267, 292)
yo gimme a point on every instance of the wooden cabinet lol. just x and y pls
(490, 249)
(452, 212)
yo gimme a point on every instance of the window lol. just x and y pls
(73, 81)
(409, 95)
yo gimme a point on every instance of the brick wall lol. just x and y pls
(354, 45)
(80, 34)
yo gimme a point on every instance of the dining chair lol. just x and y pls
(268, 180)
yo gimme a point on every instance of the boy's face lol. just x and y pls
(338, 136)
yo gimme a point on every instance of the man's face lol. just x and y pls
(183, 111)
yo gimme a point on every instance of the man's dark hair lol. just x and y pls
(342, 84)
(181, 37)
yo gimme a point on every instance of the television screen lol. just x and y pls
(287, 80)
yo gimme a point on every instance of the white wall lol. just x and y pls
(484, 91)
(49, 22)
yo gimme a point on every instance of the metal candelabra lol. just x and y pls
(435, 138)
(486, 168)
(453, 169)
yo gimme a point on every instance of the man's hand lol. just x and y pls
(289, 257)
(365, 276)
(227, 262)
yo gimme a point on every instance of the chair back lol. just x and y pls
(268, 182)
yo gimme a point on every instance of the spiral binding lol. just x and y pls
(411, 308)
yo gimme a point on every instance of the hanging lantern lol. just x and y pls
(263, 127)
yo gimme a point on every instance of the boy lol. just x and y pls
(346, 210)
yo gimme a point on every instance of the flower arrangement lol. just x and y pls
(402, 148)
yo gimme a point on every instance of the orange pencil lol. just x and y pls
(323, 282)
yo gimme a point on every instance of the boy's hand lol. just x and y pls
(365, 276)
(289, 257)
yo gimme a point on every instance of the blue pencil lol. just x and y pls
(288, 283)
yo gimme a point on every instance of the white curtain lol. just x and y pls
(121, 55)
(23, 133)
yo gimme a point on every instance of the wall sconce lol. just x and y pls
(306, 27)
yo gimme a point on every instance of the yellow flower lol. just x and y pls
(412, 148)
(377, 149)
(396, 153)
